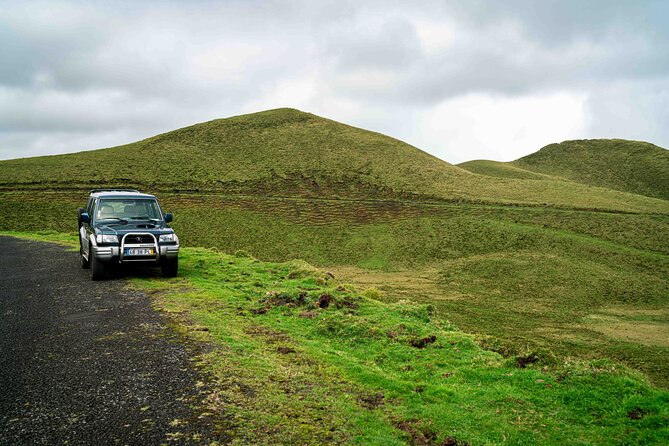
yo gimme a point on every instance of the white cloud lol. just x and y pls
(631, 110)
(481, 126)
(461, 79)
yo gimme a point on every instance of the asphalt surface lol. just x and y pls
(85, 362)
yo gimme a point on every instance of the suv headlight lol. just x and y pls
(169, 238)
(106, 238)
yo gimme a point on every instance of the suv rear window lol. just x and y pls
(127, 209)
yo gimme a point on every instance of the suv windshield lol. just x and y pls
(127, 209)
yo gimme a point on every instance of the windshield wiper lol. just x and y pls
(120, 220)
(146, 217)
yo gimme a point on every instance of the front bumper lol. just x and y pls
(106, 253)
(113, 254)
(169, 251)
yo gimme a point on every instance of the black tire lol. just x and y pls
(169, 267)
(98, 268)
(85, 264)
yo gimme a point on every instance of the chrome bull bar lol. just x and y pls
(124, 246)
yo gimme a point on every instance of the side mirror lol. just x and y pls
(168, 217)
(85, 218)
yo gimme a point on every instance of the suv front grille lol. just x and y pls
(134, 239)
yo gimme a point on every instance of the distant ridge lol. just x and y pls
(629, 166)
(501, 170)
(289, 153)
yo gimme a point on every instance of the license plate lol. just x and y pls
(139, 252)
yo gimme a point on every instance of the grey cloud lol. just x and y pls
(517, 48)
(146, 53)
(631, 110)
(560, 22)
(22, 110)
(392, 45)
(37, 38)
(72, 70)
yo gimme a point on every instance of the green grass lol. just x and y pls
(286, 152)
(601, 262)
(350, 373)
(531, 263)
(389, 234)
(502, 170)
(565, 305)
(630, 166)
(534, 287)
(59, 238)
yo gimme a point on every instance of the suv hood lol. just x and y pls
(121, 230)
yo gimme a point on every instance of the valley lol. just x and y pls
(530, 259)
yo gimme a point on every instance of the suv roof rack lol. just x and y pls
(94, 191)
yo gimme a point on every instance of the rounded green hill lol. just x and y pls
(286, 152)
(629, 166)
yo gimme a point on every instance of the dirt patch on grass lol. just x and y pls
(655, 334)
(645, 326)
(525, 360)
(275, 299)
(636, 413)
(417, 436)
(401, 284)
(270, 336)
(423, 342)
(308, 302)
(371, 401)
(324, 300)
(424, 436)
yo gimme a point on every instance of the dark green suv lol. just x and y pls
(122, 226)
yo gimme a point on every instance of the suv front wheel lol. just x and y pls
(85, 264)
(169, 267)
(98, 268)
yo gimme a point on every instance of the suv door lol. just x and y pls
(86, 228)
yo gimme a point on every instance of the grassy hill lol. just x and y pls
(539, 262)
(630, 166)
(501, 169)
(286, 152)
(282, 150)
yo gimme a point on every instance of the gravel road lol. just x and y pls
(85, 362)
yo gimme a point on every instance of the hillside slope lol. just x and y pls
(281, 150)
(500, 169)
(286, 152)
(629, 166)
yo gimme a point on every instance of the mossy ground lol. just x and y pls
(299, 357)
(532, 277)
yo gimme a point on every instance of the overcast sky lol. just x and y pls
(460, 79)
